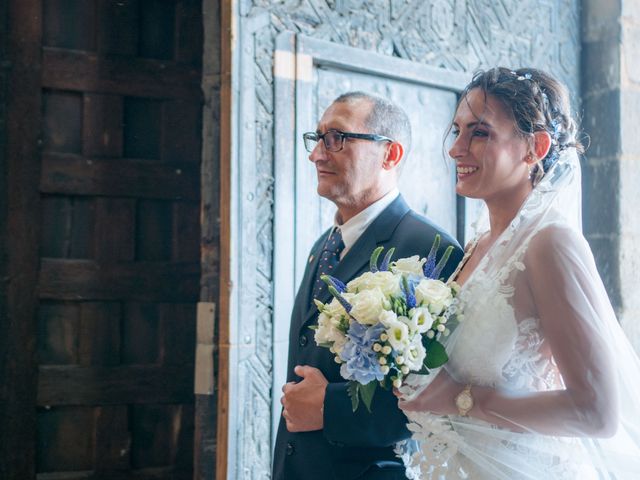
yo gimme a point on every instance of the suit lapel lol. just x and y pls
(380, 230)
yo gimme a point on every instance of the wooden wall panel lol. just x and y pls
(117, 28)
(62, 119)
(105, 149)
(69, 24)
(65, 438)
(102, 125)
(58, 332)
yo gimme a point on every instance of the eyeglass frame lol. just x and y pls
(373, 137)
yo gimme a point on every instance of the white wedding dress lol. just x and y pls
(541, 265)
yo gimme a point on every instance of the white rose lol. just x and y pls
(434, 294)
(367, 306)
(414, 354)
(387, 282)
(398, 333)
(410, 266)
(421, 319)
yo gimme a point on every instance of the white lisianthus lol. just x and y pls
(328, 332)
(435, 294)
(409, 266)
(398, 333)
(414, 354)
(408, 323)
(367, 306)
(387, 282)
(386, 318)
(421, 318)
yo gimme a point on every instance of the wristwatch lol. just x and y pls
(464, 401)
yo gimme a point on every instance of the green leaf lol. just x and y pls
(373, 262)
(366, 393)
(436, 355)
(353, 389)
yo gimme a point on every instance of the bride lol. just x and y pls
(541, 381)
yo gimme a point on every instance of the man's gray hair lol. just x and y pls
(386, 118)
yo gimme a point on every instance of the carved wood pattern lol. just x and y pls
(459, 35)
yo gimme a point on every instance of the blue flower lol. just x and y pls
(360, 361)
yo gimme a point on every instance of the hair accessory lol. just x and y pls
(526, 76)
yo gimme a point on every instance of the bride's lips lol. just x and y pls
(324, 172)
(464, 171)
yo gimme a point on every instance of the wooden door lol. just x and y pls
(119, 250)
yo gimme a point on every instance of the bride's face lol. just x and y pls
(489, 152)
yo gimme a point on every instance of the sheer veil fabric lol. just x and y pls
(538, 326)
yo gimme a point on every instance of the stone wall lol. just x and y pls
(611, 100)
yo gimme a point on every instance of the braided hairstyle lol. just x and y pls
(537, 102)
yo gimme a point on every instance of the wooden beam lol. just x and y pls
(77, 175)
(75, 385)
(20, 72)
(86, 71)
(159, 473)
(62, 279)
(226, 137)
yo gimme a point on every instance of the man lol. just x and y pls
(357, 149)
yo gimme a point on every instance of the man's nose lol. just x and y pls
(317, 153)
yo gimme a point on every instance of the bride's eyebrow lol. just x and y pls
(479, 124)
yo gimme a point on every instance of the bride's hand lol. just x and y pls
(437, 398)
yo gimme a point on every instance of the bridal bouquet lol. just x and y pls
(387, 323)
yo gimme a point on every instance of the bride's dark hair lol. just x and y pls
(537, 102)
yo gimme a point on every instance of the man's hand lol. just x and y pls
(303, 401)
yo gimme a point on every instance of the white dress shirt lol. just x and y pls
(355, 226)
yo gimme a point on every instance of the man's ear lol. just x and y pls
(395, 152)
(541, 144)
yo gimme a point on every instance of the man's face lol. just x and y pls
(353, 173)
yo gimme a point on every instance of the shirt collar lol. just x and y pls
(353, 228)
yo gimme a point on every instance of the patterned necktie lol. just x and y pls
(329, 259)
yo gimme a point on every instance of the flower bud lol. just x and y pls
(377, 347)
(446, 332)
(399, 359)
(430, 334)
(382, 360)
(404, 369)
(384, 369)
(441, 328)
(384, 337)
(337, 359)
(386, 349)
(397, 383)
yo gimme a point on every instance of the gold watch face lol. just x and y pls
(464, 401)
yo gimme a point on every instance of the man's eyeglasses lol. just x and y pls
(334, 139)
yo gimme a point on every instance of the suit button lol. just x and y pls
(303, 340)
(290, 449)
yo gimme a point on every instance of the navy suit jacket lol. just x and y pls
(350, 444)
